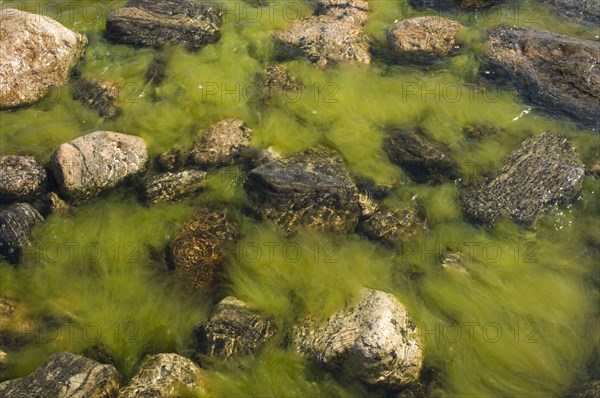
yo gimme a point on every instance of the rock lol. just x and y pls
(421, 158)
(156, 72)
(480, 131)
(588, 390)
(158, 23)
(355, 9)
(21, 177)
(197, 252)
(16, 327)
(424, 38)
(455, 4)
(374, 341)
(595, 169)
(325, 39)
(97, 162)
(220, 144)
(582, 10)
(258, 157)
(53, 204)
(277, 80)
(164, 376)
(99, 96)
(173, 160)
(37, 53)
(16, 222)
(557, 72)
(542, 172)
(173, 186)
(391, 225)
(65, 375)
(233, 329)
(312, 188)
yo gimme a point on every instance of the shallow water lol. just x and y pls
(523, 319)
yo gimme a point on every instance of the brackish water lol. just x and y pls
(521, 322)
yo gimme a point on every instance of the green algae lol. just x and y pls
(519, 319)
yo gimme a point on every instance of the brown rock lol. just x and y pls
(21, 177)
(100, 96)
(221, 143)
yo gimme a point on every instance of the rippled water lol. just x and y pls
(523, 319)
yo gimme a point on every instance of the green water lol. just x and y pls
(523, 319)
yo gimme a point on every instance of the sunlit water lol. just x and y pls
(521, 321)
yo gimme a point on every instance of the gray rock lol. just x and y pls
(424, 38)
(560, 73)
(334, 34)
(391, 225)
(65, 375)
(198, 250)
(233, 329)
(221, 143)
(164, 376)
(173, 186)
(97, 162)
(21, 177)
(581, 10)
(421, 158)
(312, 188)
(540, 173)
(16, 223)
(374, 341)
(99, 96)
(455, 4)
(157, 23)
(37, 53)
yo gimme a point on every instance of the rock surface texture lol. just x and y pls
(581, 10)
(98, 161)
(168, 187)
(560, 73)
(542, 172)
(157, 23)
(197, 252)
(424, 38)
(21, 177)
(374, 341)
(221, 143)
(102, 97)
(312, 188)
(16, 222)
(470, 5)
(37, 53)
(233, 329)
(65, 375)
(164, 376)
(391, 225)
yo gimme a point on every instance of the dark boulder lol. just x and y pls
(312, 188)
(65, 375)
(99, 96)
(16, 223)
(233, 329)
(198, 250)
(421, 158)
(169, 187)
(157, 23)
(557, 72)
(539, 174)
(21, 177)
(220, 144)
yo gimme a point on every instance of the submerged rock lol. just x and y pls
(65, 375)
(312, 188)
(37, 53)
(355, 9)
(156, 72)
(455, 4)
(173, 186)
(542, 172)
(197, 252)
(424, 38)
(374, 341)
(391, 225)
(588, 390)
(21, 177)
(276, 80)
(16, 223)
(558, 72)
(221, 143)
(421, 158)
(581, 10)
(157, 23)
(97, 162)
(233, 329)
(53, 204)
(173, 160)
(99, 96)
(164, 376)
